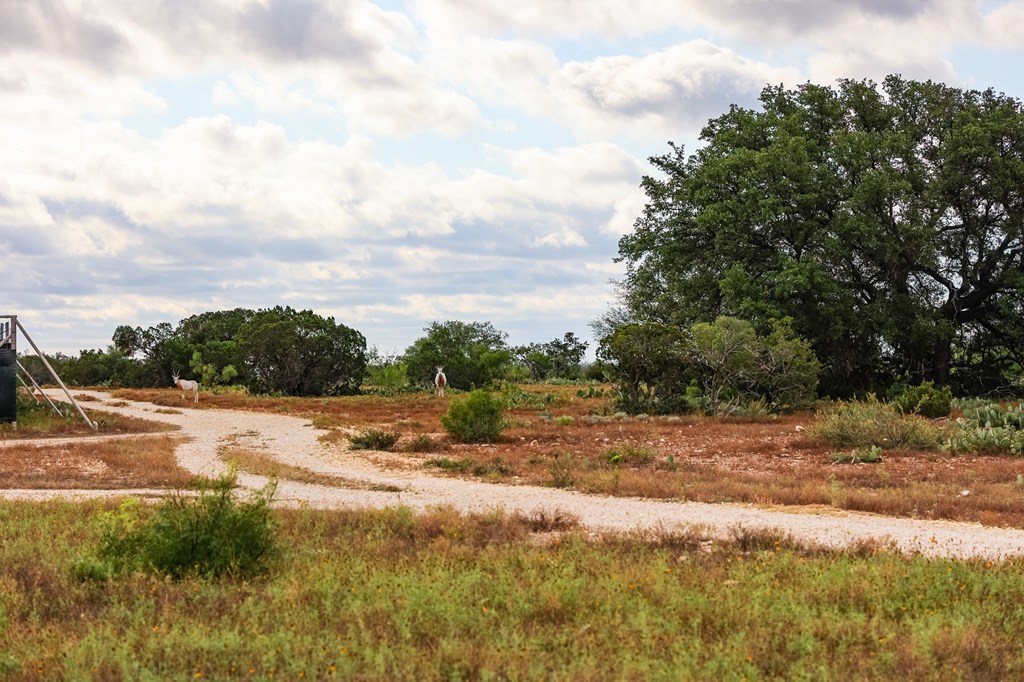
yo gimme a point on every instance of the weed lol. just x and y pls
(858, 456)
(863, 424)
(424, 443)
(374, 439)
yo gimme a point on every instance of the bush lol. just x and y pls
(863, 424)
(210, 535)
(478, 418)
(374, 439)
(925, 400)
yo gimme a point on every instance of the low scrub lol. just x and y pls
(477, 418)
(374, 439)
(867, 423)
(925, 400)
(209, 535)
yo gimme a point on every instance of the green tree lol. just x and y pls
(886, 222)
(558, 358)
(648, 363)
(472, 354)
(301, 353)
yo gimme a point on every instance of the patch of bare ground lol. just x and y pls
(144, 462)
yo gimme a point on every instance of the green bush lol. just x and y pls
(863, 424)
(210, 534)
(925, 400)
(374, 439)
(477, 418)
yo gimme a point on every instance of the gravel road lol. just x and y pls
(294, 440)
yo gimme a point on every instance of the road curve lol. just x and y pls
(294, 441)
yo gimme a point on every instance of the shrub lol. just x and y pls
(374, 439)
(863, 424)
(424, 443)
(858, 456)
(925, 400)
(475, 419)
(210, 534)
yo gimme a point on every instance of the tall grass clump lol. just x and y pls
(210, 534)
(477, 418)
(374, 439)
(867, 423)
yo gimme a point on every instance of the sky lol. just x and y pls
(393, 163)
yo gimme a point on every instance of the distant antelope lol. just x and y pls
(440, 381)
(187, 385)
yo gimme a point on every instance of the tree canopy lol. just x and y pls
(472, 353)
(886, 221)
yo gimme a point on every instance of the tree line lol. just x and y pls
(297, 352)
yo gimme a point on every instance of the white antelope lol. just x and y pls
(187, 385)
(440, 381)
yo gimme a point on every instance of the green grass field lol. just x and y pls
(391, 595)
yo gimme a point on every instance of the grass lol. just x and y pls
(38, 420)
(382, 595)
(260, 463)
(144, 462)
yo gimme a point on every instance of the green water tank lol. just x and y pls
(8, 386)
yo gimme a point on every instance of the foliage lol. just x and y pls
(210, 535)
(477, 418)
(989, 429)
(872, 423)
(301, 353)
(848, 210)
(925, 399)
(473, 354)
(374, 439)
(386, 375)
(731, 364)
(558, 358)
(650, 368)
(870, 455)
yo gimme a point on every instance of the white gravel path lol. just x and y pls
(294, 441)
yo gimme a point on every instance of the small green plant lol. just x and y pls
(424, 443)
(565, 420)
(374, 439)
(628, 454)
(477, 418)
(457, 466)
(210, 535)
(925, 400)
(867, 423)
(858, 456)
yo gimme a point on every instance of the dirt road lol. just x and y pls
(294, 441)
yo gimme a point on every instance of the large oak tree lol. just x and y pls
(886, 221)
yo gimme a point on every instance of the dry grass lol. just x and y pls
(146, 462)
(262, 464)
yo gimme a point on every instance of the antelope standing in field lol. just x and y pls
(440, 381)
(187, 385)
